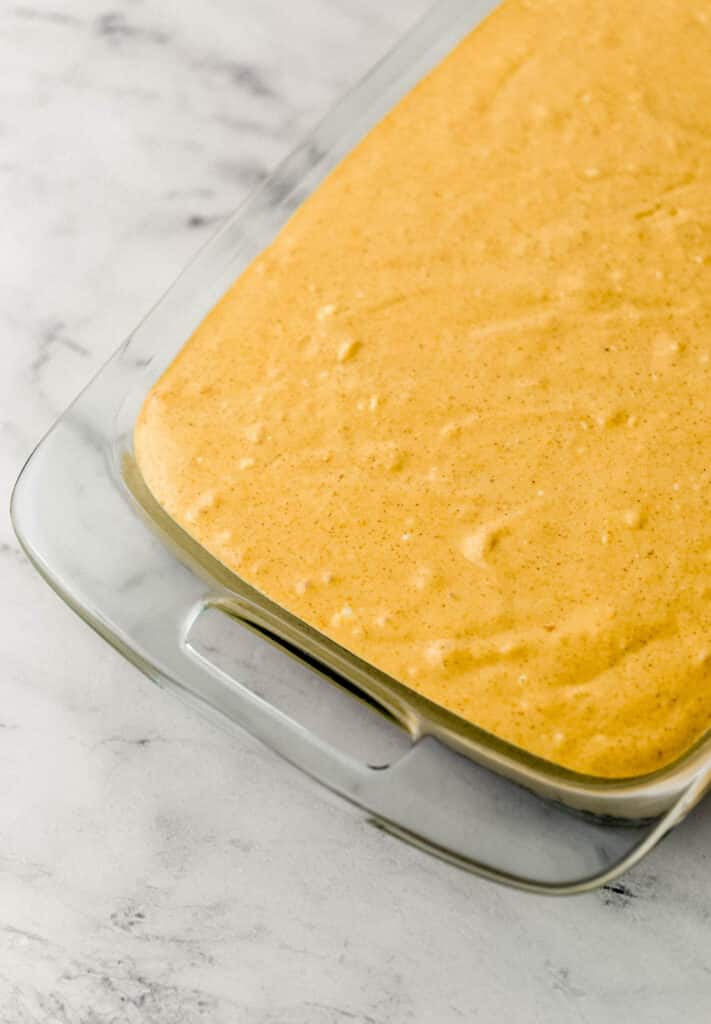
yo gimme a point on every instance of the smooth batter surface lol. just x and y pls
(458, 415)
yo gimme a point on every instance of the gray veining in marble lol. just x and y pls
(153, 869)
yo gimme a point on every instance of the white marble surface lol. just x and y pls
(153, 869)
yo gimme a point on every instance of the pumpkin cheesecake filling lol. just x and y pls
(457, 416)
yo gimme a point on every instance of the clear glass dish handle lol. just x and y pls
(431, 797)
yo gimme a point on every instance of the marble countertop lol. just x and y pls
(152, 868)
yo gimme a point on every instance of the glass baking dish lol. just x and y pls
(92, 529)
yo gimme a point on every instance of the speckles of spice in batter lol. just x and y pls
(457, 415)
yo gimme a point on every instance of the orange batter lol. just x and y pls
(458, 415)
